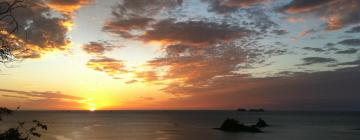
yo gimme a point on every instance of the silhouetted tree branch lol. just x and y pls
(21, 132)
(8, 43)
(8, 27)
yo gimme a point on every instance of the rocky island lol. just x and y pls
(233, 125)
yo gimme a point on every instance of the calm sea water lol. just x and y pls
(191, 125)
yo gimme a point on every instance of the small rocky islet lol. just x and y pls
(233, 125)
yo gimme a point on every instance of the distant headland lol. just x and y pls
(251, 110)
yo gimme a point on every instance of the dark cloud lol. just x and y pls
(130, 15)
(348, 51)
(228, 6)
(108, 65)
(130, 21)
(317, 60)
(335, 16)
(123, 27)
(355, 29)
(94, 48)
(353, 63)
(279, 32)
(350, 42)
(298, 6)
(314, 49)
(193, 33)
(260, 20)
(330, 44)
(177, 49)
(141, 8)
(98, 48)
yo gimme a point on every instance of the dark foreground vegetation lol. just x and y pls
(24, 130)
(8, 28)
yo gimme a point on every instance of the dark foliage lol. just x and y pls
(261, 123)
(4, 112)
(21, 132)
(8, 26)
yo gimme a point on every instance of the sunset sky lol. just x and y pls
(185, 54)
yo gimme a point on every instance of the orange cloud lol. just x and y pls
(67, 6)
(199, 67)
(148, 76)
(43, 99)
(334, 22)
(107, 65)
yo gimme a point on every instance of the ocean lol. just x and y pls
(190, 125)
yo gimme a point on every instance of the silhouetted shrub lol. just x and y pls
(261, 123)
(21, 132)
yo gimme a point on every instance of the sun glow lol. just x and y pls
(92, 109)
(89, 104)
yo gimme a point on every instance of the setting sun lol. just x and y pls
(92, 109)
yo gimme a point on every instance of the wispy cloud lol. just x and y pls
(335, 16)
(348, 51)
(317, 60)
(350, 42)
(43, 99)
(107, 65)
(45, 94)
(230, 6)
